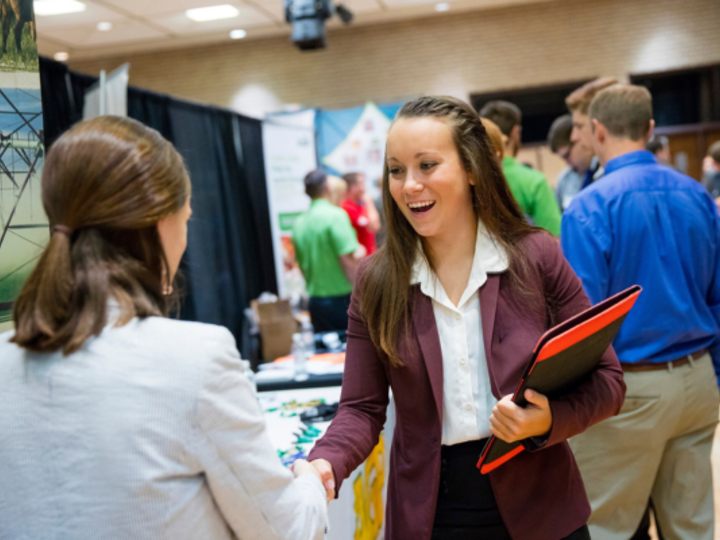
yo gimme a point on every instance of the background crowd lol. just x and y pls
(188, 452)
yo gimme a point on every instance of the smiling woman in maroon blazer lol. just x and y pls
(447, 315)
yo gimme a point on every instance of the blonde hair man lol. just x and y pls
(645, 223)
(337, 190)
(496, 138)
(578, 103)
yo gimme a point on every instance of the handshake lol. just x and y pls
(321, 469)
(508, 421)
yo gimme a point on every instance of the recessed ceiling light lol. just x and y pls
(104, 26)
(61, 57)
(212, 13)
(238, 34)
(442, 6)
(57, 7)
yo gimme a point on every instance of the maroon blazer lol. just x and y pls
(540, 493)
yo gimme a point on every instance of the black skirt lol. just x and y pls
(466, 507)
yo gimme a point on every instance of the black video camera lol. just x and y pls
(308, 21)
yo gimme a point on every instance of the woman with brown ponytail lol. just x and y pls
(115, 421)
(446, 315)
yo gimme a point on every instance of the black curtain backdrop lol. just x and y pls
(229, 259)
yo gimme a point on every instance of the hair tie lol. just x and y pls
(62, 229)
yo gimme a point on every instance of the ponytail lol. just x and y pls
(43, 305)
(64, 302)
(106, 184)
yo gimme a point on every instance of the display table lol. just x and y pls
(313, 381)
(323, 370)
(359, 512)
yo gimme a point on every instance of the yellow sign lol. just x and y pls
(368, 489)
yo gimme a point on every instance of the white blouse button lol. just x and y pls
(462, 360)
(468, 407)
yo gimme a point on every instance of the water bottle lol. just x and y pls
(299, 353)
(308, 334)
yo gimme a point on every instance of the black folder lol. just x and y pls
(565, 356)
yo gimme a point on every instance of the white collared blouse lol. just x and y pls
(467, 398)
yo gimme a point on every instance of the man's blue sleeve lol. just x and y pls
(714, 298)
(586, 245)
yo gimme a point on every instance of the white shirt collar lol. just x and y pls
(490, 258)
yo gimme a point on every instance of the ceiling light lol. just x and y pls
(442, 6)
(238, 34)
(104, 26)
(61, 57)
(58, 7)
(213, 13)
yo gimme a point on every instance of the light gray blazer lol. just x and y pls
(151, 431)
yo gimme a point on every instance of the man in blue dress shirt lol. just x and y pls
(645, 223)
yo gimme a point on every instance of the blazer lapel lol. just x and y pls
(489, 294)
(427, 334)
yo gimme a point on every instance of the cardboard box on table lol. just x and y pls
(277, 326)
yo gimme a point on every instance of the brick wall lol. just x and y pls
(457, 54)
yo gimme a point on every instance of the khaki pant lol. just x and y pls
(658, 446)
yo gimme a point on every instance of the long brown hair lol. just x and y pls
(106, 184)
(385, 284)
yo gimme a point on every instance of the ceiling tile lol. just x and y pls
(47, 47)
(123, 31)
(158, 24)
(150, 8)
(178, 23)
(272, 8)
(92, 15)
(362, 6)
(394, 4)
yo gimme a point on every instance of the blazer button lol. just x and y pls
(445, 489)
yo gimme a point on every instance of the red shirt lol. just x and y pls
(360, 222)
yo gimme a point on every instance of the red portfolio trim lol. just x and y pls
(586, 329)
(487, 467)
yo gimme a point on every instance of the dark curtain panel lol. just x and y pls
(151, 109)
(62, 98)
(254, 199)
(215, 257)
(229, 259)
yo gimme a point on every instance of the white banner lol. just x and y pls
(109, 95)
(289, 146)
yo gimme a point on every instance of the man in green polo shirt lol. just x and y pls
(328, 252)
(529, 187)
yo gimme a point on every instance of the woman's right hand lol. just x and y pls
(327, 477)
(300, 467)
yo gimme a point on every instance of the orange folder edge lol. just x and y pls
(588, 328)
(557, 345)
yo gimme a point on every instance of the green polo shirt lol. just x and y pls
(534, 195)
(321, 235)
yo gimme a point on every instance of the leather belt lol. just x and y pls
(656, 366)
